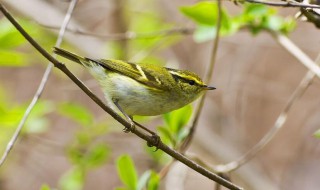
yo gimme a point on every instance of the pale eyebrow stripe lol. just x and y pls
(176, 74)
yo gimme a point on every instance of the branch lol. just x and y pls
(150, 139)
(129, 35)
(41, 87)
(289, 3)
(286, 43)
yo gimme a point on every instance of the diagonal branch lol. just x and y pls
(150, 139)
(41, 87)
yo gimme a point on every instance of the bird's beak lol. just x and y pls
(205, 87)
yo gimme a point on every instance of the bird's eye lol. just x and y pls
(192, 82)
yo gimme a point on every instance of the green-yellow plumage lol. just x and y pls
(141, 89)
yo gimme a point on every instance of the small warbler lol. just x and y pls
(140, 89)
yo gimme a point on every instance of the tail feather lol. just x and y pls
(71, 56)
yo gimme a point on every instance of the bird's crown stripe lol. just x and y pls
(185, 77)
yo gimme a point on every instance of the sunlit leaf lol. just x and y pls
(202, 13)
(45, 187)
(76, 112)
(97, 155)
(153, 183)
(205, 14)
(165, 135)
(317, 134)
(13, 59)
(143, 180)
(9, 36)
(178, 118)
(72, 180)
(127, 172)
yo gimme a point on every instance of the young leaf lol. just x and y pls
(127, 172)
(178, 118)
(202, 13)
(45, 187)
(166, 135)
(205, 14)
(143, 180)
(72, 180)
(97, 155)
(154, 180)
(13, 59)
(76, 112)
(317, 134)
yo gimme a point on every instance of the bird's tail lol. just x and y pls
(71, 56)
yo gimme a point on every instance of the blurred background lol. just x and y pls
(71, 143)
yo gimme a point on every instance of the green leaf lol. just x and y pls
(204, 33)
(97, 155)
(165, 135)
(288, 25)
(260, 17)
(205, 14)
(273, 23)
(13, 59)
(72, 180)
(183, 133)
(37, 125)
(154, 180)
(45, 187)
(37, 122)
(255, 10)
(9, 36)
(127, 172)
(178, 118)
(76, 112)
(202, 13)
(317, 134)
(149, 179)
(143, 180)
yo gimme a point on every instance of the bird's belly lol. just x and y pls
(137, 99)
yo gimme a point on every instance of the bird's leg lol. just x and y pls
(129, 119)
(156, 138)
(133, 124)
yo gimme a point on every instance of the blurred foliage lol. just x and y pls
(76, 112)
(144, 22)
(317, 134)
(85, 152)
(254, 17)
(174, 131)
(45, 187)
(11, 114)
(129, 176)
(11, 40)
(73, 179)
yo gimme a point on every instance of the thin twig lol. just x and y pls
(207, 79)
(286, 43)
(289, 3)
(150, 139)
(282, 118)
(184, 145)
(129, 35)
(41, 87)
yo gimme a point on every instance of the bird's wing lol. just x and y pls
(142, 74)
